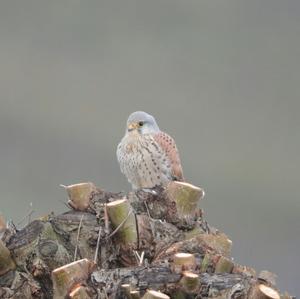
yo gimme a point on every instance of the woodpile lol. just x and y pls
(146, 244)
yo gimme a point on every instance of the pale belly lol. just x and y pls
(143, 162)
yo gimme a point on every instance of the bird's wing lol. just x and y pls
(168, 145)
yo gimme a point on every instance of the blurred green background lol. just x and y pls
(222, 77)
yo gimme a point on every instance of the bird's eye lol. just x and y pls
(141, 123)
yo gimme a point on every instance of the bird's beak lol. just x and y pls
(132, 126)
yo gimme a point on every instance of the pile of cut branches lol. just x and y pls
(146, 244)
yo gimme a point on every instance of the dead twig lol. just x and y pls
(106, 223)
(77, 239)
(140, 258)
(97, 246)
(28, 215)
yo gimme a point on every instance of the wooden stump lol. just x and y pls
(151, 294)
(79, 292)
(261, 291)
(223, 265)
(80, 195)
(186, 196)
(67, 276)
(183, 261)
(124, 226)
(123, 221)
(189, 281)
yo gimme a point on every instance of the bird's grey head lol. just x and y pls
(141, 122)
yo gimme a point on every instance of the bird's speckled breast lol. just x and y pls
(142, 161)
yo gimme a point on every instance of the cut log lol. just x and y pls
(6, 261)
(176, 203)
(215, 263)
(69, 223)
(189, 281)
(129, 293)
(126, 289)
(223, 265)
(151, 294)
(183, 261)
(215, 244)
(186, 197)
(267, 276)
(123, 221)
(261, 291)
(67, 276)
(135, 295)
(218, 242)
(80, 195)
(79, 292)
(124, 226)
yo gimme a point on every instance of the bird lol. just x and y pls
(148, 157)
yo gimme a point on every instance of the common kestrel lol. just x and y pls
(147, 156)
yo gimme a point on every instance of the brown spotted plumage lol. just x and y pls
(147, 156)
(168, 145)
